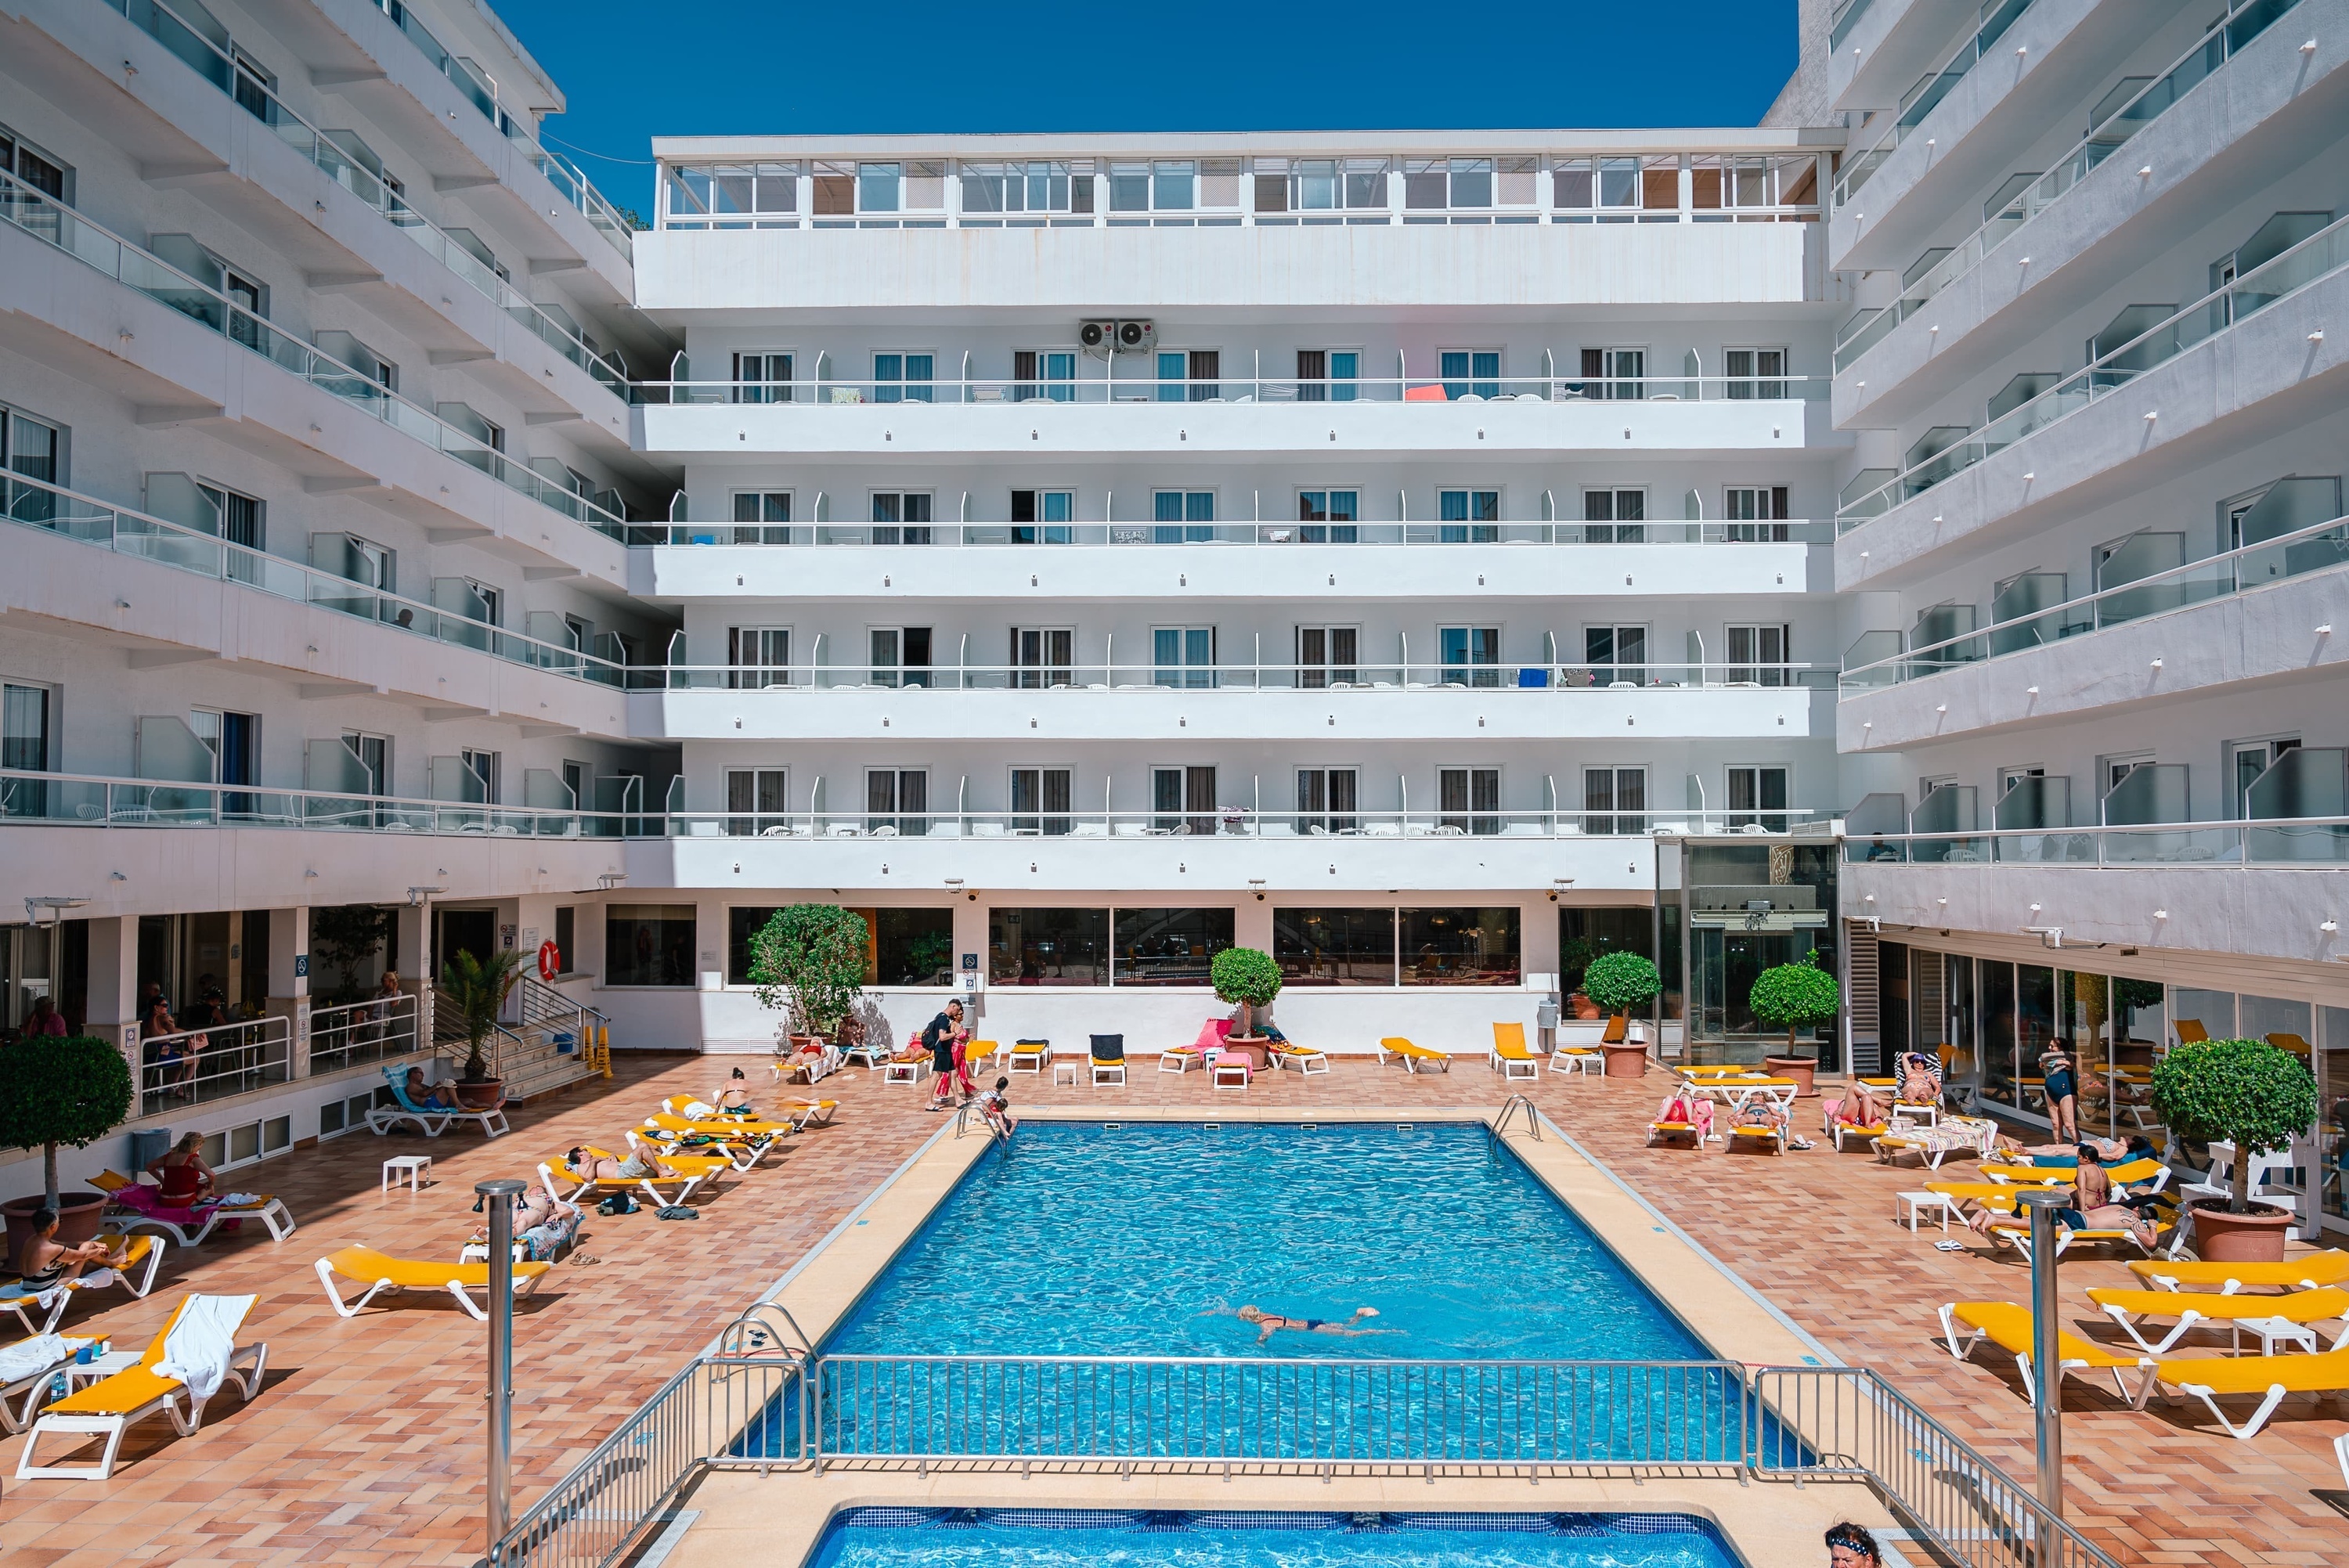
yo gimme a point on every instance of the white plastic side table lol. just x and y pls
(412, 1169)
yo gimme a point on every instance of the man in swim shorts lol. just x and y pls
(1272, 1323)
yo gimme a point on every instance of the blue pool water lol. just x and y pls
(1025, 1538)
(1082, 1240)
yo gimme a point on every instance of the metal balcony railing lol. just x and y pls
(357, 1032)
(34, 503)
(1107, 389)
(1980, 36)
(1355, 676)
(2310, 262)
(194, 1065)
(1341, 530)
(2284, 842)
(36, 214)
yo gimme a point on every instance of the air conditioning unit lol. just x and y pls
(1136, 337)
(1099, 338)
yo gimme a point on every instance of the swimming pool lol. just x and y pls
(1040, 1538)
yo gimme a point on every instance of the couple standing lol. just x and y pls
(948, 1044)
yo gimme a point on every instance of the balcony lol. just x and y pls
(1394, 416)
(2026, 268)
(2259, 343)
(2015, 69)
(2261, 612)
(1084, 701)
(1876, 49)
(1285, 561)
(335, 637)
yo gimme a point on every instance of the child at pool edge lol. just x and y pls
(995, 1105)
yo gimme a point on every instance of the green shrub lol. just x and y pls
(2258, 1095)
(809, 959)
(73, 1091)
(1621, 981)
(1790, 995)
(1247, 977)
(477, 989)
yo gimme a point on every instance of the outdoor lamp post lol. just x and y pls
(498, 1197)
(2046, 1359)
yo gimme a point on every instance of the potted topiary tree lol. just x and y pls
(1619, 982)
(475, 990)
(1248, 979)
(73, 1091)
(2259, 1096)
(808, 962)
(1792, 996)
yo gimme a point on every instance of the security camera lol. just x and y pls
(974, 898)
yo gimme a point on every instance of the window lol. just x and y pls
(1757, 514)
(897, 800)
(1605, 189)
(1755, 372)
(235, 741)
(1039, 801)
(1043, 517)
(485, 767)
(1327, 800)
(1334, 946)
(1314, 186)
(1182, 657)
(1432, 185)
(1460, 364)
(33, 448)
(1329, 517)
(733, 196)
(1757, 797)
(1615, 516)
(902, 378)
(1043, 656)
(763, 377)
(1472, 654)
(355, 560)
(755, 800)
(835, 191)
(235, 519)
(1183, 517)
(248, 302)
(372, 753)
(648, 944)
(1468, 800)
(1468, 517)
(235, 1146)
(1617, 655)
(901, 517)
(1328, 375)
(762, 517)
(1613, 374)
(24, 727)
(1459, 946)
(1188, 375)
(2250, 758)
(1042, 188)
(1050, 373)
(1757, 656)
(1325, 656)
(909, 947)
(1613, 799)
(757, 658)
(1048, 946)
(1168, 946)
(901, 656)
(45, 174)
(1173, 185)
(1176, 790)
(567, 937)
(877, 187)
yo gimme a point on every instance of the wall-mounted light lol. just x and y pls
(417, 895)
(1257, 883)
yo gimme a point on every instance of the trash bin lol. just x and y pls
(148, 1145)
(1530, 677)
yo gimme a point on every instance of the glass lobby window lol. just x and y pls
(2278, 1021)
(1169, 946)
(2034, 1020)
(1048, 946)
(1334, 946)
(2333, 1110)
(2200, 1016)
(741, 924)
(909, 947)
(1459, 946)
(1584, 933)
(1997, 1037)
(648, 944)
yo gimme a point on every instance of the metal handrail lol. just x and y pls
(2309, 263)
(208, 1064)
(35, 212)
(1142, 678)
(98, 800)
(1978, 35)
(1335, 395)
(218, 66)
(86, 520)
(1979, 646)
(2283, 842)
(354, 1033)
(1137, 533)
(1511, 1107)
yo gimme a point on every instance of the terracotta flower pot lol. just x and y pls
(77, 1216)
(1628, 1059)
(1802, 1069)
(2257, 1237)
(483, 1095)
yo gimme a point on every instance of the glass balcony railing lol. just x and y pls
(2281, 841)
(31, 503)
(190, 43)
(33, 211)
(2316, 258)
(481, 92)
(2245, 20)
(1149, 390)
(2321, 547)
(1325, 531)
(1172, 674)
(85, 800)
(1995, 18)
(1847, 17)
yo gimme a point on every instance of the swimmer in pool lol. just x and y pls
(1271, 1323)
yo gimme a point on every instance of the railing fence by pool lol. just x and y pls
(1232, 1417)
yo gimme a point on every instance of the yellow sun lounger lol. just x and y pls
(2270, 1317)
(2309, 1271)
(709, 1168)
(1659, 1130)
(2019, 1234)
(383, 1272)
(740, 1150)
(134, 1264)
(2029, 1175)
(749, 1126)
(1304, 1058)
(270, 1211)
(684, 1181)
(1414, 1058)
(1757, 1132)
(2210, 1379)
(2009, 1327)
(1843, 1129)
(1510, 1055)
(111, 1406)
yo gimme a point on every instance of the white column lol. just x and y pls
(289, 979)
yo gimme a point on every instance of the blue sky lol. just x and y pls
(690, 67)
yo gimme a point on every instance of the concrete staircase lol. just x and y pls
(543, 1047)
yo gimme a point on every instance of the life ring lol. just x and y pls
(550, 962)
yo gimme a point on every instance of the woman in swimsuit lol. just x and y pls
(2062, 1094)
(182, 1178)
(47, 1264)
(1272, 1323)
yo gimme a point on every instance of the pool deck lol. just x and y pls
(365, 1446)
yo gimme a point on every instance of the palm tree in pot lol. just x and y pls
(477, 989)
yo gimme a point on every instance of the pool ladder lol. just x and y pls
(760, 1331)
(1515, 1103)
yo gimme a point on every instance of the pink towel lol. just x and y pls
(1212, 1035)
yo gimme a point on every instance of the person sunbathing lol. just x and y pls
(640, 1164)
(48, 1263)
(1272, 1323)
(428, 1096)
(1689, 1108)
(734, 1098)
(1763, 1111)
(2093, 1209)
(542, 1223)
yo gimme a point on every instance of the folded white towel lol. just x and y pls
(201, 1341)
(241, 1199)
(28, 1357)
(695, 1110)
